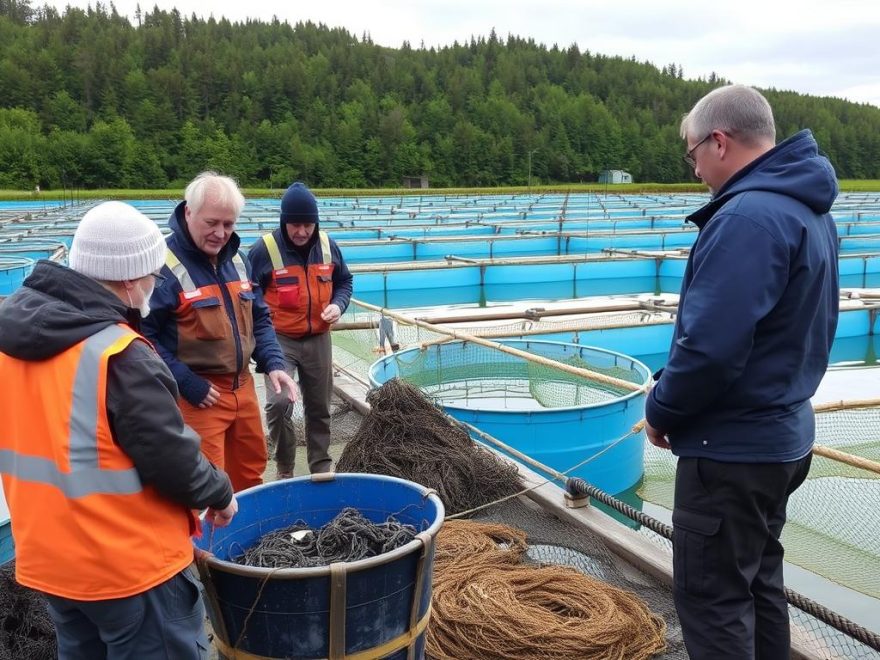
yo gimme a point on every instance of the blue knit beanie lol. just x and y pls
(298, 205)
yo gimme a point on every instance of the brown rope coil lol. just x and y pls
(490, 605)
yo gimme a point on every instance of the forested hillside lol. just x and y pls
(91, 99)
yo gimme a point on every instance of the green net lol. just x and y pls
(356, 349)
(834, 518)
(469, 374)
(553, 388)
(833, 525)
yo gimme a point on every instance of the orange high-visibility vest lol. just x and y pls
(84, 525)
(296, 295)
(205, 339)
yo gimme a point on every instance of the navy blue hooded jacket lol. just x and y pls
(757, 313)
(229, 352)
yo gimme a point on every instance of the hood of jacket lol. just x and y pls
(304, 250)
(55, 308)
(794, 168)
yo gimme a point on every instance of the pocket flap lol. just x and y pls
(289, 279)
(206, 302)
(697, 523)
(246, 295)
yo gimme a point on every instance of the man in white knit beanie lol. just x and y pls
(119, 246)
(100, 472)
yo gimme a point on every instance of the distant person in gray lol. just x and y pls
(307, 286)
(386, 333)
(756, 319)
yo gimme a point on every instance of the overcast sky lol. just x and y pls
(810, 46)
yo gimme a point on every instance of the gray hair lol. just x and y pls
(739, 110)
(222, 189)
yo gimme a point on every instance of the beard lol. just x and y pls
(144, 308)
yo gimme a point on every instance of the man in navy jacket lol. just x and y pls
(207, 321)
(756, 319)
(307, 286)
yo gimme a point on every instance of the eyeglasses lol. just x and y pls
(159, 278)
(689, 156)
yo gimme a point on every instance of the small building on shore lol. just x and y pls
(615, 176)
(415, 182)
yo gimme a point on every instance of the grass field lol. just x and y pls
(846, 185)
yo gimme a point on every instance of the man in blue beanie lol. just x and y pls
(307, 287)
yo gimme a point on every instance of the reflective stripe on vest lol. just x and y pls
(85, 476)
(186, 281)
(275, 253)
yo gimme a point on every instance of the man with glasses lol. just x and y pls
(757, 316)
(207, 322)
(100, 473)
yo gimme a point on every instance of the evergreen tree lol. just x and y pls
(91, 100)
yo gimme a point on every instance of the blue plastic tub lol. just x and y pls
(378, 607)
(7, 545)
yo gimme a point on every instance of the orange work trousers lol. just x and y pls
(231, 430)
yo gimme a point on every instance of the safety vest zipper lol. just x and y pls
(230, 312)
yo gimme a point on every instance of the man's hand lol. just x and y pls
(279, 380)
(655, 437)
(331, 313)
(212, 397)
(222, 517)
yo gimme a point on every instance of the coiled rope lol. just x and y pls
(489, 604)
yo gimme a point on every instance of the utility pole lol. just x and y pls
(530, 168)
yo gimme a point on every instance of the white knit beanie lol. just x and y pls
(115, 242)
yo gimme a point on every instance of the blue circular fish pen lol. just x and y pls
(557, 418)
(13, 270)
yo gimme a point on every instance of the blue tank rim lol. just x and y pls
(14, 262)
(29, 240)
(543, 411)
(324, 571)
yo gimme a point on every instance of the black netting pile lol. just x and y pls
(405, 435)
(26, 631)
(348, 537)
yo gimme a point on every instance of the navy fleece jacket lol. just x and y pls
(757, 313)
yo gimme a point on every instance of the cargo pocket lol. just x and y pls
(184, 623)
(245, 313)
(210, 319)
(325, 290)
(288, 296)
(694, 553)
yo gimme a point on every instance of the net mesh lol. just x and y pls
(356, 349)
(834, 518)
(473, 374)
(833, 527)
(26, 631)
(834, 514)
